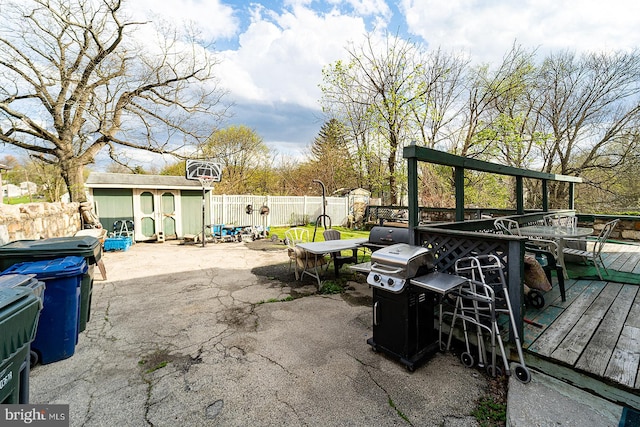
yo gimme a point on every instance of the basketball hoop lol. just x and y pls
(206, 173)
(203, 171)
(206, 181)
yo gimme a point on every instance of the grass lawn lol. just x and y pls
(345, 233)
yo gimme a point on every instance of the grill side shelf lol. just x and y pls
(440, 283)
(364, 267)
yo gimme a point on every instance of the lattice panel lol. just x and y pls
(448, 248)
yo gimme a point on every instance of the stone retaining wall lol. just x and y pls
(38, 221)
(627, 229)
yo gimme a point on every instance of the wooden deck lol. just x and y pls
(593, 338)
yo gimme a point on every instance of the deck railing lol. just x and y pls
(454, 240)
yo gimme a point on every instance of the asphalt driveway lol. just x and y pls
(224, 335)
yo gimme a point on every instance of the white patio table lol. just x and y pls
(559, 234)
(326, 247)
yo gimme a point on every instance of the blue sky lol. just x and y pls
(273, 52)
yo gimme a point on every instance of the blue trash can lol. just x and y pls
(59, 324)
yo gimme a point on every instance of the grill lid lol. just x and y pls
(383, 236)
(392, 266)
(401, 255)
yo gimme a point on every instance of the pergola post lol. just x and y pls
(412, 188)
(519, 195)
(571, 195)
(459, 183)
(545, 196)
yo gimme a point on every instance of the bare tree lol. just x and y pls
(74, 81)
(488, 88)
(385, 79)
(343, 100)
(590, 107)
(434, 112)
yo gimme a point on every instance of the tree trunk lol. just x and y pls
(73, 175)
(393, 186)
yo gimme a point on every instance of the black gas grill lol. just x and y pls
(404, 324)
(381, 237)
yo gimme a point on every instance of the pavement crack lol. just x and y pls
(292, 408)
(384, 390)
(281, 366)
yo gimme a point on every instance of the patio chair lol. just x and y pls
(292, 237)
(595, 255)
(545, 252)
(562, 220)
(336, 257)
(123, 228)
(507, 226)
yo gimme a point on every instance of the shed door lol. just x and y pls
(157, 210)
(192, 211)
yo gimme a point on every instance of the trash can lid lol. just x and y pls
(87, 246)
(11, 280)
(51, 269)
(11, 296)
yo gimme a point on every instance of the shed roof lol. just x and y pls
(127, 180)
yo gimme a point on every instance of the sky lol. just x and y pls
(273, 52)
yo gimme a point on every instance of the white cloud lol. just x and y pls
(367, 7)
(281, 55)
(486, 30)
(216, 20)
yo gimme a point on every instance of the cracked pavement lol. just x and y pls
(198, 336)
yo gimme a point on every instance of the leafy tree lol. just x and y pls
(48, 178)
(240, 151)
(175, 169)
(385, 78)
(75, 81)
(331, 158)
(13, 174)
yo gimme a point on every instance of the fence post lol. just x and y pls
(268, 204)
(304, 208)
(224, 209)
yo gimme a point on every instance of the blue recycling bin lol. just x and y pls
(59, 324)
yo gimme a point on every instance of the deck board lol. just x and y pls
(552, 337)
(598, 352)
(571, 347)
(623, 367)
(596, 332)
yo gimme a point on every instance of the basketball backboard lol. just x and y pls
(199, 170)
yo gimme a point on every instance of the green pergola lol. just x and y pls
(415, 154)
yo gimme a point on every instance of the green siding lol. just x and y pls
(192, 211)
(113, 204)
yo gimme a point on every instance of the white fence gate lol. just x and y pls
(283, 210)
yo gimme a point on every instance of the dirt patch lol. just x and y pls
(241, 318)
(161, 358)
(266, 245)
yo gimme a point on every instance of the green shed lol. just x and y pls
(161, 207)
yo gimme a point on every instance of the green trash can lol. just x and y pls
(58, 247)
(19, 312)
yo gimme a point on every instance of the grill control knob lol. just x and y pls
(390, 281)
(376, 278)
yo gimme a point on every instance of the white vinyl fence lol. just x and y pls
(283, 210)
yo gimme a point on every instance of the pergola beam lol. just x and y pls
(415, 154)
